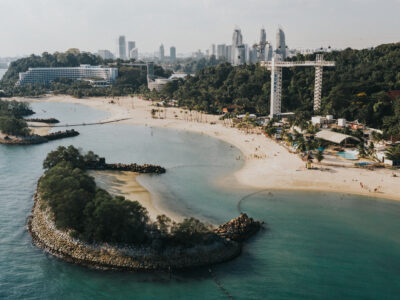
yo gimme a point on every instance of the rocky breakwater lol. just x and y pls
(145, 168)
(239, 229)
(39, 120)
(36, 139)
(61, 135)
(122, 257)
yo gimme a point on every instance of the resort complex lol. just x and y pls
(160, 150)
(97, 75)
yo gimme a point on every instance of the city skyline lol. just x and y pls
(34, 26)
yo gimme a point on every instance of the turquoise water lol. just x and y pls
(364, 163)
(317, 245)
(347, 155)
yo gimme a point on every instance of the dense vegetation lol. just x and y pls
(130, 80)
(193, 65)
(92, 214)
(356, 89)
(11, 121)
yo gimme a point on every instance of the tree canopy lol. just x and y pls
(356, 89)
(130, 79)
(93, 215)
(11, 121)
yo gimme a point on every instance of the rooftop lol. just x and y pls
(334, 137)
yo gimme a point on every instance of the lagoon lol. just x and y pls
(317, 246)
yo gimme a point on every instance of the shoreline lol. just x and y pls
(267, 164)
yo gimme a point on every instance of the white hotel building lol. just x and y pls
(46, 75)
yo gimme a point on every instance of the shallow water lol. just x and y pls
(317, 246)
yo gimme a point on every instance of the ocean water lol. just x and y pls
(315, 245)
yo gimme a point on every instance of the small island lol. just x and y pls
(14, 128)
(77, 221)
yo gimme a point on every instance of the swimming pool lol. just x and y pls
(347, 155)
(364, 163)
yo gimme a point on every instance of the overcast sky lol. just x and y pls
(34, 26)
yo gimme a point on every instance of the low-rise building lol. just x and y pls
(341, 122)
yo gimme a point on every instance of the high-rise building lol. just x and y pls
(228, 54)
(280, 43)
(162, 55)
(213, 50)
(131, 45)
(105, 54)
(268, 52)
(263, 41)
(253, 55)
(121, 47)
(221, 51)
(134, 53)
(172, 53)
(238, 49)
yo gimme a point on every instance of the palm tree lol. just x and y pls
(301, 144)
(371, 150)
(361, 149)
(393, 153)
(319, 155)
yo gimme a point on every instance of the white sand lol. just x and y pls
(276, 169)
(39, 130)
(122, 183)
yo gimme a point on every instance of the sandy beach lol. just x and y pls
(39, 130)
(121, 183)
(268, 165)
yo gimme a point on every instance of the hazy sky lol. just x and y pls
(34, 26)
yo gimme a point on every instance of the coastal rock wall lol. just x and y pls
(38, 139)
(239, 229)
(146, 168)
(39, 120)
(104, 256)
(61, 134)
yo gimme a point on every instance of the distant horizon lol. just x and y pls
(179, 55)
(37, 26)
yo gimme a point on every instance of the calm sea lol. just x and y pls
(317, 246)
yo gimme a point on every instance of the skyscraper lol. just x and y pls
(268, 52)
(172, 53)
(131, 45)
(263, 41)
(221, 51)
(162, 56)
(280, 43)
(121, 47)
(253, 55)
(238, 49)
(213, 52)
(228, 54)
